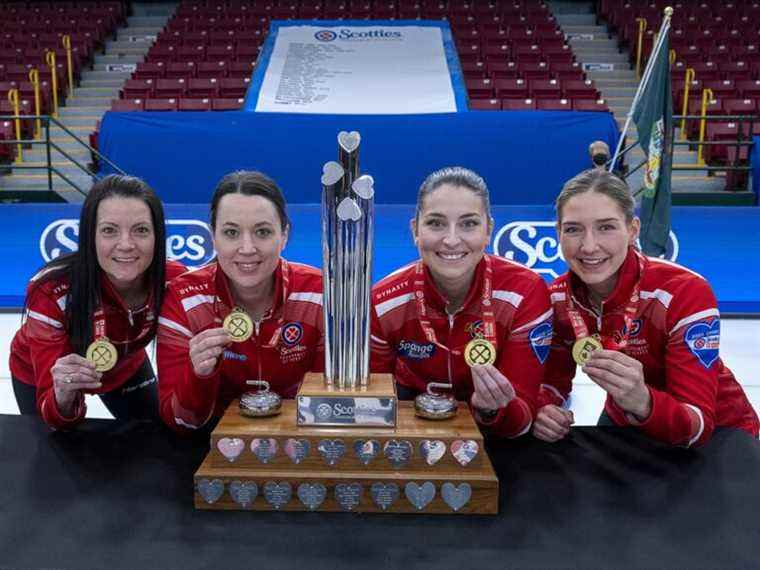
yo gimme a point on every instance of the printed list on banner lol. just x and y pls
(357, 70)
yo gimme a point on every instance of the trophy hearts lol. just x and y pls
(243, 493)
(277, 494)
(367, 450)
(332, 450)
(331, 173)
(348, 209)
(464, 451)
(349, 141)
(432, 450)
(297, 449)
(364, 186)
(210, 490)
(348, 495)
(264, 448)
(420, 495)
(312, 494)
(230, 447)
(384, 495)
(456, 497)
(398, 452)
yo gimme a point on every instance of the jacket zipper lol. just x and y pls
(257, 328)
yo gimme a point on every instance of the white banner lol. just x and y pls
(364, 70)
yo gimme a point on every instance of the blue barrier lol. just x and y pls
(755, 162)
(723, 244)
(525, 157)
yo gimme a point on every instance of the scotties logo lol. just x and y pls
(415, 351)
(541, 340)
(703, 340)
(474, 329)
(292, 334)
(325, 36)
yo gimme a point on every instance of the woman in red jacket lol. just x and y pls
(645, 330)
(426, 314)
(104, 297)
(201, 369)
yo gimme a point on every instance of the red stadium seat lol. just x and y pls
(233, 87)
(554, 105)
(194, 105)
(170, 88)
(227, 104)
(161, 105)
(203, 88)
(138, 88)
(122, 105)
(518, 104)
(590, 105)
(485, 104)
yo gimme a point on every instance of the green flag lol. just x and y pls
(653, 116)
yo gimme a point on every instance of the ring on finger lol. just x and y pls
(67, 379)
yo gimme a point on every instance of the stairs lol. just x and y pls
(616, 80)
(92, 97)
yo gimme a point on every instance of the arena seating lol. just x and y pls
(497, 44)
(721, 43)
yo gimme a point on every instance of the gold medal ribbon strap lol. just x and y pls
(489, 318)
(629, 313)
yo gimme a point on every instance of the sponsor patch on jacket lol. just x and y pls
(541, 340)
(703, 340)
(230, 355)
(415, 351)
(292, 333)
(474, 329)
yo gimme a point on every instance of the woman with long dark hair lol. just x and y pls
(89, 314)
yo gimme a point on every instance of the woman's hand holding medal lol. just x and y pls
(491, 389)
(622, 377)
(71, 374)
(205, 349)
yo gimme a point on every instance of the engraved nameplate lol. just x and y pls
(346, 411)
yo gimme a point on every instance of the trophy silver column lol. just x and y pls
(347, 232)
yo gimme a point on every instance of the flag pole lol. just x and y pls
(642, 85)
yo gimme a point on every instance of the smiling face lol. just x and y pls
(451, 233)
(248, 238)
(595, 237)
(124, 240)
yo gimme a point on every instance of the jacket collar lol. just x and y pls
(628, 276)
(436, 300)
(112, 298)
(224, 294)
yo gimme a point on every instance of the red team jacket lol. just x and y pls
(523, 333)
(43, 339)
(675, 335)
(286, 345)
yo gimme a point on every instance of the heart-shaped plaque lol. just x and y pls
(348, 495)
(348, 209)
(210, 490)
(420, 495)
(264, 448)
(349, 141)
(243, 493)
(364, 186)
(332, 172)
(277, 494)
(398, 452)
(432, 450)
(312, 494)
(332, 450)
(366, 450)
(230, 447)
(297, 449)
(464, 450)
(384, 494)
(456, 497)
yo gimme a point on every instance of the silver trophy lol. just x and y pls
(347, 232)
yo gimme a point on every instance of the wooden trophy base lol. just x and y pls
(419, 466)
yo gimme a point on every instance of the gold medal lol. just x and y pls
(102, 354)
(479, 352)
(583, 347)
(238, 325)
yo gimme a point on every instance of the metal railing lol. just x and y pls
(44, 138)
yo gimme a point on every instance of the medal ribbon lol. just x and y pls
(489, 319)
(579, 325)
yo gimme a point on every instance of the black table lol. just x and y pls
(113, 495)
